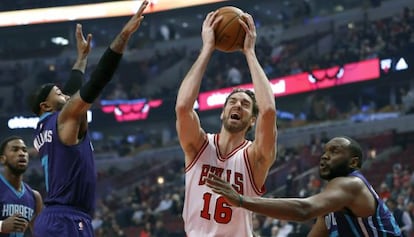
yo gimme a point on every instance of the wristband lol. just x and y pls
(1, 223)
(240, 200)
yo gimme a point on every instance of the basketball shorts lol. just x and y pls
(62, 221)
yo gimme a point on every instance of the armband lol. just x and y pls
(100, 76)
(74, 83)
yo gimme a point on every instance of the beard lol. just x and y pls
(340, 170)
(234, 128)
(59, 105)
(15, 170)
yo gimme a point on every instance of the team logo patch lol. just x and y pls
(80, 225)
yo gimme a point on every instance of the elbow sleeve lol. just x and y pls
(74, 83)
(101, 76)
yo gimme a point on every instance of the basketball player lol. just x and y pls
(65, 148)
(347, 206)
(19, 204)
(245, 164)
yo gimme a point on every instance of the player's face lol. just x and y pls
(57, 99)
(335, 161)
(16, 157)
(237, 114)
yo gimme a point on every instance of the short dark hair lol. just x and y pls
(250, 93)
(355, 150)
(6, 140)
(39, 96)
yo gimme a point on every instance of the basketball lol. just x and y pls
(229, 34)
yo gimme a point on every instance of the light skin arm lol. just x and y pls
(39, 207)
(263, 150)
(189, 130)
(338, 194)
(72, 123)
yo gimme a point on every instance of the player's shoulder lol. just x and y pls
(35, 192)
(347, 182)
(46, 117)
(28, 187)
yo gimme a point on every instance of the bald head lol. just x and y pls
(351, 145)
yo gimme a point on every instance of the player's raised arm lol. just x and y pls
(190, 133)
(263, 152)
(39, 207)
(72, 119)
(78, 70)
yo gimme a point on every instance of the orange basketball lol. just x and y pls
(229, 34)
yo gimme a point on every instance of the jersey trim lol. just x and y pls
(45, 165)
(18, 194)
(44, 115)
(234, 151)
(203, 147)
(257, 190)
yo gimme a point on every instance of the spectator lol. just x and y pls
(283, 229)
(384, 191)
(401, 216)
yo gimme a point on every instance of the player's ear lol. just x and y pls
(253, 121)
(44, 106)
(2, 159)
(354, 162)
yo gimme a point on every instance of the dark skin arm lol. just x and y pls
(72, 121)
(340, 193)
(319, 228)
(39, 207)
(83, 48)
(14, 223)
(76, 78)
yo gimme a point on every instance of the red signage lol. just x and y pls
(303, 82)
(129, 110)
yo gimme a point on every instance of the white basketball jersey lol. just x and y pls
(207, 214)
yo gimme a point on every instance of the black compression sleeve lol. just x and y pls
(100, 76)
(74, 83)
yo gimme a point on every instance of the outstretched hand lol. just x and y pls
(14, 223)
(83, 45)
(223, 188)
(133, 24)
(121, 40)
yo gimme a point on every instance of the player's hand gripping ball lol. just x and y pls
(229, 34)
